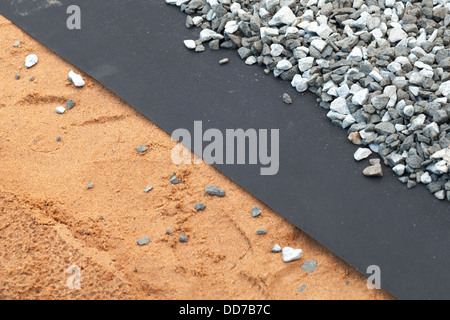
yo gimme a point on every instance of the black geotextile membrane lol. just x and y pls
(135, 48)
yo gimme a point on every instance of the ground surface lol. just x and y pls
(49, 221)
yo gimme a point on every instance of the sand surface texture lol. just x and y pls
(50, 221)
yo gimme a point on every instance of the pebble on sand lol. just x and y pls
(141, 149)
(291, 254)
(309, 266)
(76, 79)
(215, 191)
(70, 104)
(31, 60)
(276, 249)
(256, 212)
(199, 206)
(60, 110)
(148, 189)
(143, 241)
(261, 231)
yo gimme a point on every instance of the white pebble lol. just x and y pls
(31, 60)
(362, 153)
(60, 110)
(290, 254)
(76, 79)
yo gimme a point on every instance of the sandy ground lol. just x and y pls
(50, 221)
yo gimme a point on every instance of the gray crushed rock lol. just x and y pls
(276, 249)
(141, 149)
(143, 241)
(261, 231)
(309, 266)
(381, 69)
(199, 206)
(215, 191)
(256, 211)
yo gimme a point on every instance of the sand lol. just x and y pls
(50, 221)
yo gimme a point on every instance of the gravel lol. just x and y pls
(174, 179)
(375, 169)
(183, 238)
(362, 153)
(276, 249)
(261, 231)
(60, 110)
(256, 212)
(290, 254)
(141, 149)
(309, 266)
(200, 206)
(148, 189)
(215, 191)
(31, 60)
(302, 288)
(287, 98)
(76, 79)
(90, 185)
(380, 69)
(70, 104)
(143, 241)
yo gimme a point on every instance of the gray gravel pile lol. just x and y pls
(381, 68)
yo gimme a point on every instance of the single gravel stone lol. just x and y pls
(148, 189)
(374, 170)
(70, 104)
(168, 231)
(302, 288)
(290, 254)
(215, 191)
(31, 60)
(199, 206)
(17, 76)
(224, 61)
(141, 149)
(414, 161)
(362, 153)
(183, 238)
(261, 231)
(190, 44)
(58, 139)
(60, 110)
(76, 79)
(309, 266)
(256, 212)
(174, 179)
(276, 249)
(287, 98)
(16, 43)
(143, 241)
(90, 185)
